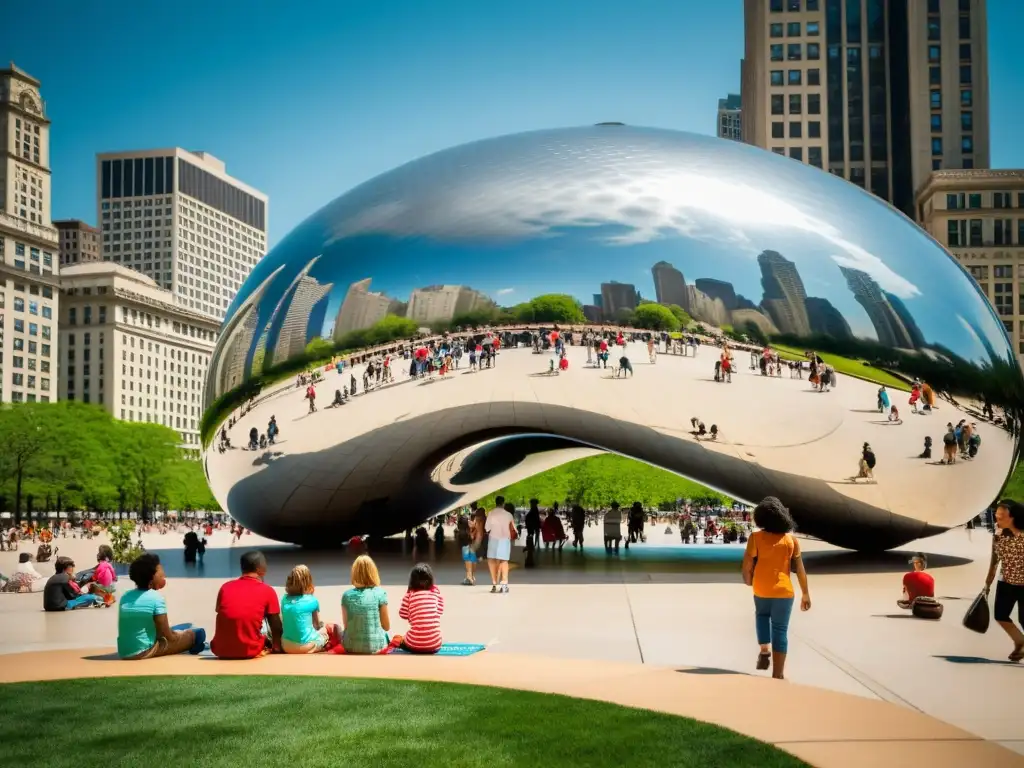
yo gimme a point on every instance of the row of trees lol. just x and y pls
(70, 456)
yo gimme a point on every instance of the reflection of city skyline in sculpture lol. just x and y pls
(360, 309)
(784, 295)
(275, 323)
(889, 327)
(616, 297)
(442, 303)
(307, 293)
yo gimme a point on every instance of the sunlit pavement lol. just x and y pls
(660, 604)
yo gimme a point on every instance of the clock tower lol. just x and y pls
(29, 245)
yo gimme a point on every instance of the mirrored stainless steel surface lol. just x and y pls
(591, 232)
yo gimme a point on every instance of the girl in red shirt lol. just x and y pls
(422, 607)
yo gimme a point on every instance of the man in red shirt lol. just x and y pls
(242, 607)
(917, 583)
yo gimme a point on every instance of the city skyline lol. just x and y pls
(500, 76)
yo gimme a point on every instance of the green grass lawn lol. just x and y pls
(250, 722)
(848, 366)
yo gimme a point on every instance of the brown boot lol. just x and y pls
(778, 665)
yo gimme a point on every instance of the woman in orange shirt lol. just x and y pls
(771, 556)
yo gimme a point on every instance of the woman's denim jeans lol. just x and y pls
(771, 617)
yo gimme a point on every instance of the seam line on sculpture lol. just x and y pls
(867, 681)
(632, 619)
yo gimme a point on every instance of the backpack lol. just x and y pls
(870, 459)
(949, 439)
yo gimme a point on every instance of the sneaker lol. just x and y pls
(504, 589)
(494, 589)
(200, 642)
(467, 582)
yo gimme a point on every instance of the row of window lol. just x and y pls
(780, 77)
(778, 6)
(33, 307)
(966, 146)
(794, 52)
(961, 233)
(814, 154)
(794, 29)
(29, 382)
(974, 200)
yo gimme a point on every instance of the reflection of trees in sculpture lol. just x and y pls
(550, 308)
(655, 317)
(390, 328)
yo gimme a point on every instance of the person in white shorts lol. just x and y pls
(501, 532)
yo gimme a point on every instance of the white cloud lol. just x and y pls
(504, 291)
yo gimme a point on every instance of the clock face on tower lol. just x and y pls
(28, 102)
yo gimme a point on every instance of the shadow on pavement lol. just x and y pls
(894, 561)
(980, 660)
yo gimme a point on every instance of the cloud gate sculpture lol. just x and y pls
(591, 233)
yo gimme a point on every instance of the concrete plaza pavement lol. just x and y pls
(661, 605)
(778, 424)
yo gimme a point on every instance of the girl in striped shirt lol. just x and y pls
(422, 607)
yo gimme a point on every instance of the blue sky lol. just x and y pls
(306, 105)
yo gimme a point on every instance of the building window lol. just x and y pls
(813, 29)
(776, 29)
(776, 52)
(935, 75)
(967, 98)
(776, 7)
(1003, 234)
(794, 52)
(974, 201)
(814, 76)
(1001, 200)
(934, 29)
(937, 123)
(956, 237)
(778, 104)
(779, 150)
(936, 145)
(795, 76)
(936, 99)
(812, 5)
(796, 129)
(955, 201)
(778, 77)
(965, 74)
(814, 155)
(974, 233)
(814, 104)
(965, 28)
(793, 29)
(813, 51)
(935, 53)
(793, 5)
(778, 130)
(965, 51)
(795, 104)
(797, 153)
(966, 121)
(814, 129)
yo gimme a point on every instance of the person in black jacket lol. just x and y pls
(62, 593)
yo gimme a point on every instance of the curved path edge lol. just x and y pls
(823, 728)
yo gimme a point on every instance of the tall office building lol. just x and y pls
(979, 217)
(729, 118)
(179, 218)
(616, 296)
(442, 303)
(888, 323)
(669, 285)
(880, 92)
(79, 242)
(29, 287)
(128, 346)
(785, 299)
(360, 309)
(307, 293)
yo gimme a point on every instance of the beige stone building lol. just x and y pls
(979, 217)
(28, 245)
(876, 91)
(129, 346)
(79, 242)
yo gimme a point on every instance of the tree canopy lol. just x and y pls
(655, 317)
(73, 456)
(550, 308)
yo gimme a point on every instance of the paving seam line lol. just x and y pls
(632, 620)
(867, 681)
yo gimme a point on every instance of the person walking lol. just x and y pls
(772, 554)
(501, 532)
(1008, 551)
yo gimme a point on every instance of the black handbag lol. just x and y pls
(978, 615)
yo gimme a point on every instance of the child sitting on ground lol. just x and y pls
(894, 415)
(422, 607)
(300, 615)
(104, 578)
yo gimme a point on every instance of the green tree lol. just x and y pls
(146, 451)
(24, 441)
(625, 316)
(681, 315)
(551, 308)
(655, 317)
(319, 349)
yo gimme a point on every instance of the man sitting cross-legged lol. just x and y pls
(248, 614)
